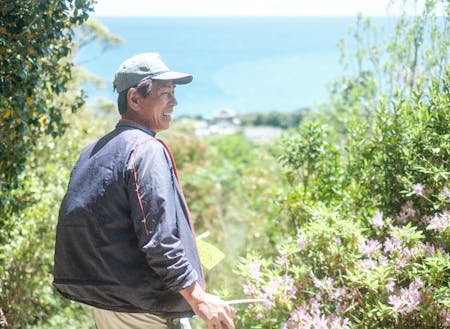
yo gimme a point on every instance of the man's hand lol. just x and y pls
(214, 311)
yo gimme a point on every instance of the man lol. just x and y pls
(125, 243)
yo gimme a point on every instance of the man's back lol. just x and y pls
(106, 238)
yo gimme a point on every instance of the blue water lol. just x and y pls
(246, 64)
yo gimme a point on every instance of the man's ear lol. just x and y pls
(133, 98)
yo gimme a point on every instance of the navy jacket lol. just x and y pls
(124, 241)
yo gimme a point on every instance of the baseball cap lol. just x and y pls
(144, 66)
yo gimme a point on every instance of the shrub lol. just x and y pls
(27, 297)
(35, 74)
(376, 253)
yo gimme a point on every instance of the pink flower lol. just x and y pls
(427, 248)
(416, 284)
(445, 315)
(408, 253)
(341, 307)
(250, 289)
(406, 212)
(377, 220)
(439, 222)
(408, 300)
(396, 303)
(304, 317)
(325, 284)
(320, 321)
(367, 264)
(314, 305)
(338, 293)
(301, 244)
(392, 244)
(426, 220)
(370, 247)
(337, 240)
(317, 283)
(400, 263)
(282, 260)
(339, 323)
(418, 189)
(298, 316)
(402, 218)
(383, 260)
(255, 268)
(390, 286)
(446, 193)
(289, 287)
(273, 287)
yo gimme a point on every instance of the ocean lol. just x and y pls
(246, 64)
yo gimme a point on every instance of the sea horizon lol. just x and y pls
(248, 64)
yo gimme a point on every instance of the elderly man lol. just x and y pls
(125, 243)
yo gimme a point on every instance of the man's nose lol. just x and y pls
(173, 101)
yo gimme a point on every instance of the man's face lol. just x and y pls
(157, 107)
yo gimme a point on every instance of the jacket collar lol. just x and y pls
(131, 124)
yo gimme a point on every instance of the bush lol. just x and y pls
(228, 181)
(376, 253)
(35, 74)
(27, 297)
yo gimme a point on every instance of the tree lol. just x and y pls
(35, 69)
(36, 91)
(404, 55)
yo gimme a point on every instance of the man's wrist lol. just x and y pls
(194, 294)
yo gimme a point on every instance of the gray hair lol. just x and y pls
(143, 88)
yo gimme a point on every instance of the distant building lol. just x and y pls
(224, 121)
(227, 115)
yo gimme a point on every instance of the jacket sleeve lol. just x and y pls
(153, 211)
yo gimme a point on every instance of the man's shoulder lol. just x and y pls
(136, 137)
(122, 141)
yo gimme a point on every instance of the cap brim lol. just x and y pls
(177, 77)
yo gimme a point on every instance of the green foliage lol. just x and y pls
(304, 268)
(374, 254)
(229, 183)
(93, 31)
(405, 55)
(35, 41)
(409, 145)
(367, 225)
(312, 168)
(37, 95)
(26, 254)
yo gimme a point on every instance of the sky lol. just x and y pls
(240, 7)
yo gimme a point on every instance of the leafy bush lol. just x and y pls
(376, 253)
(27, 297)
(38, 91)
(368, 213)
(228, 181)
(35, 73)
(405, 55)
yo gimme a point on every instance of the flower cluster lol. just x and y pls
(407, 300)
(333, 273)
(439, 222)
(309, 315)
